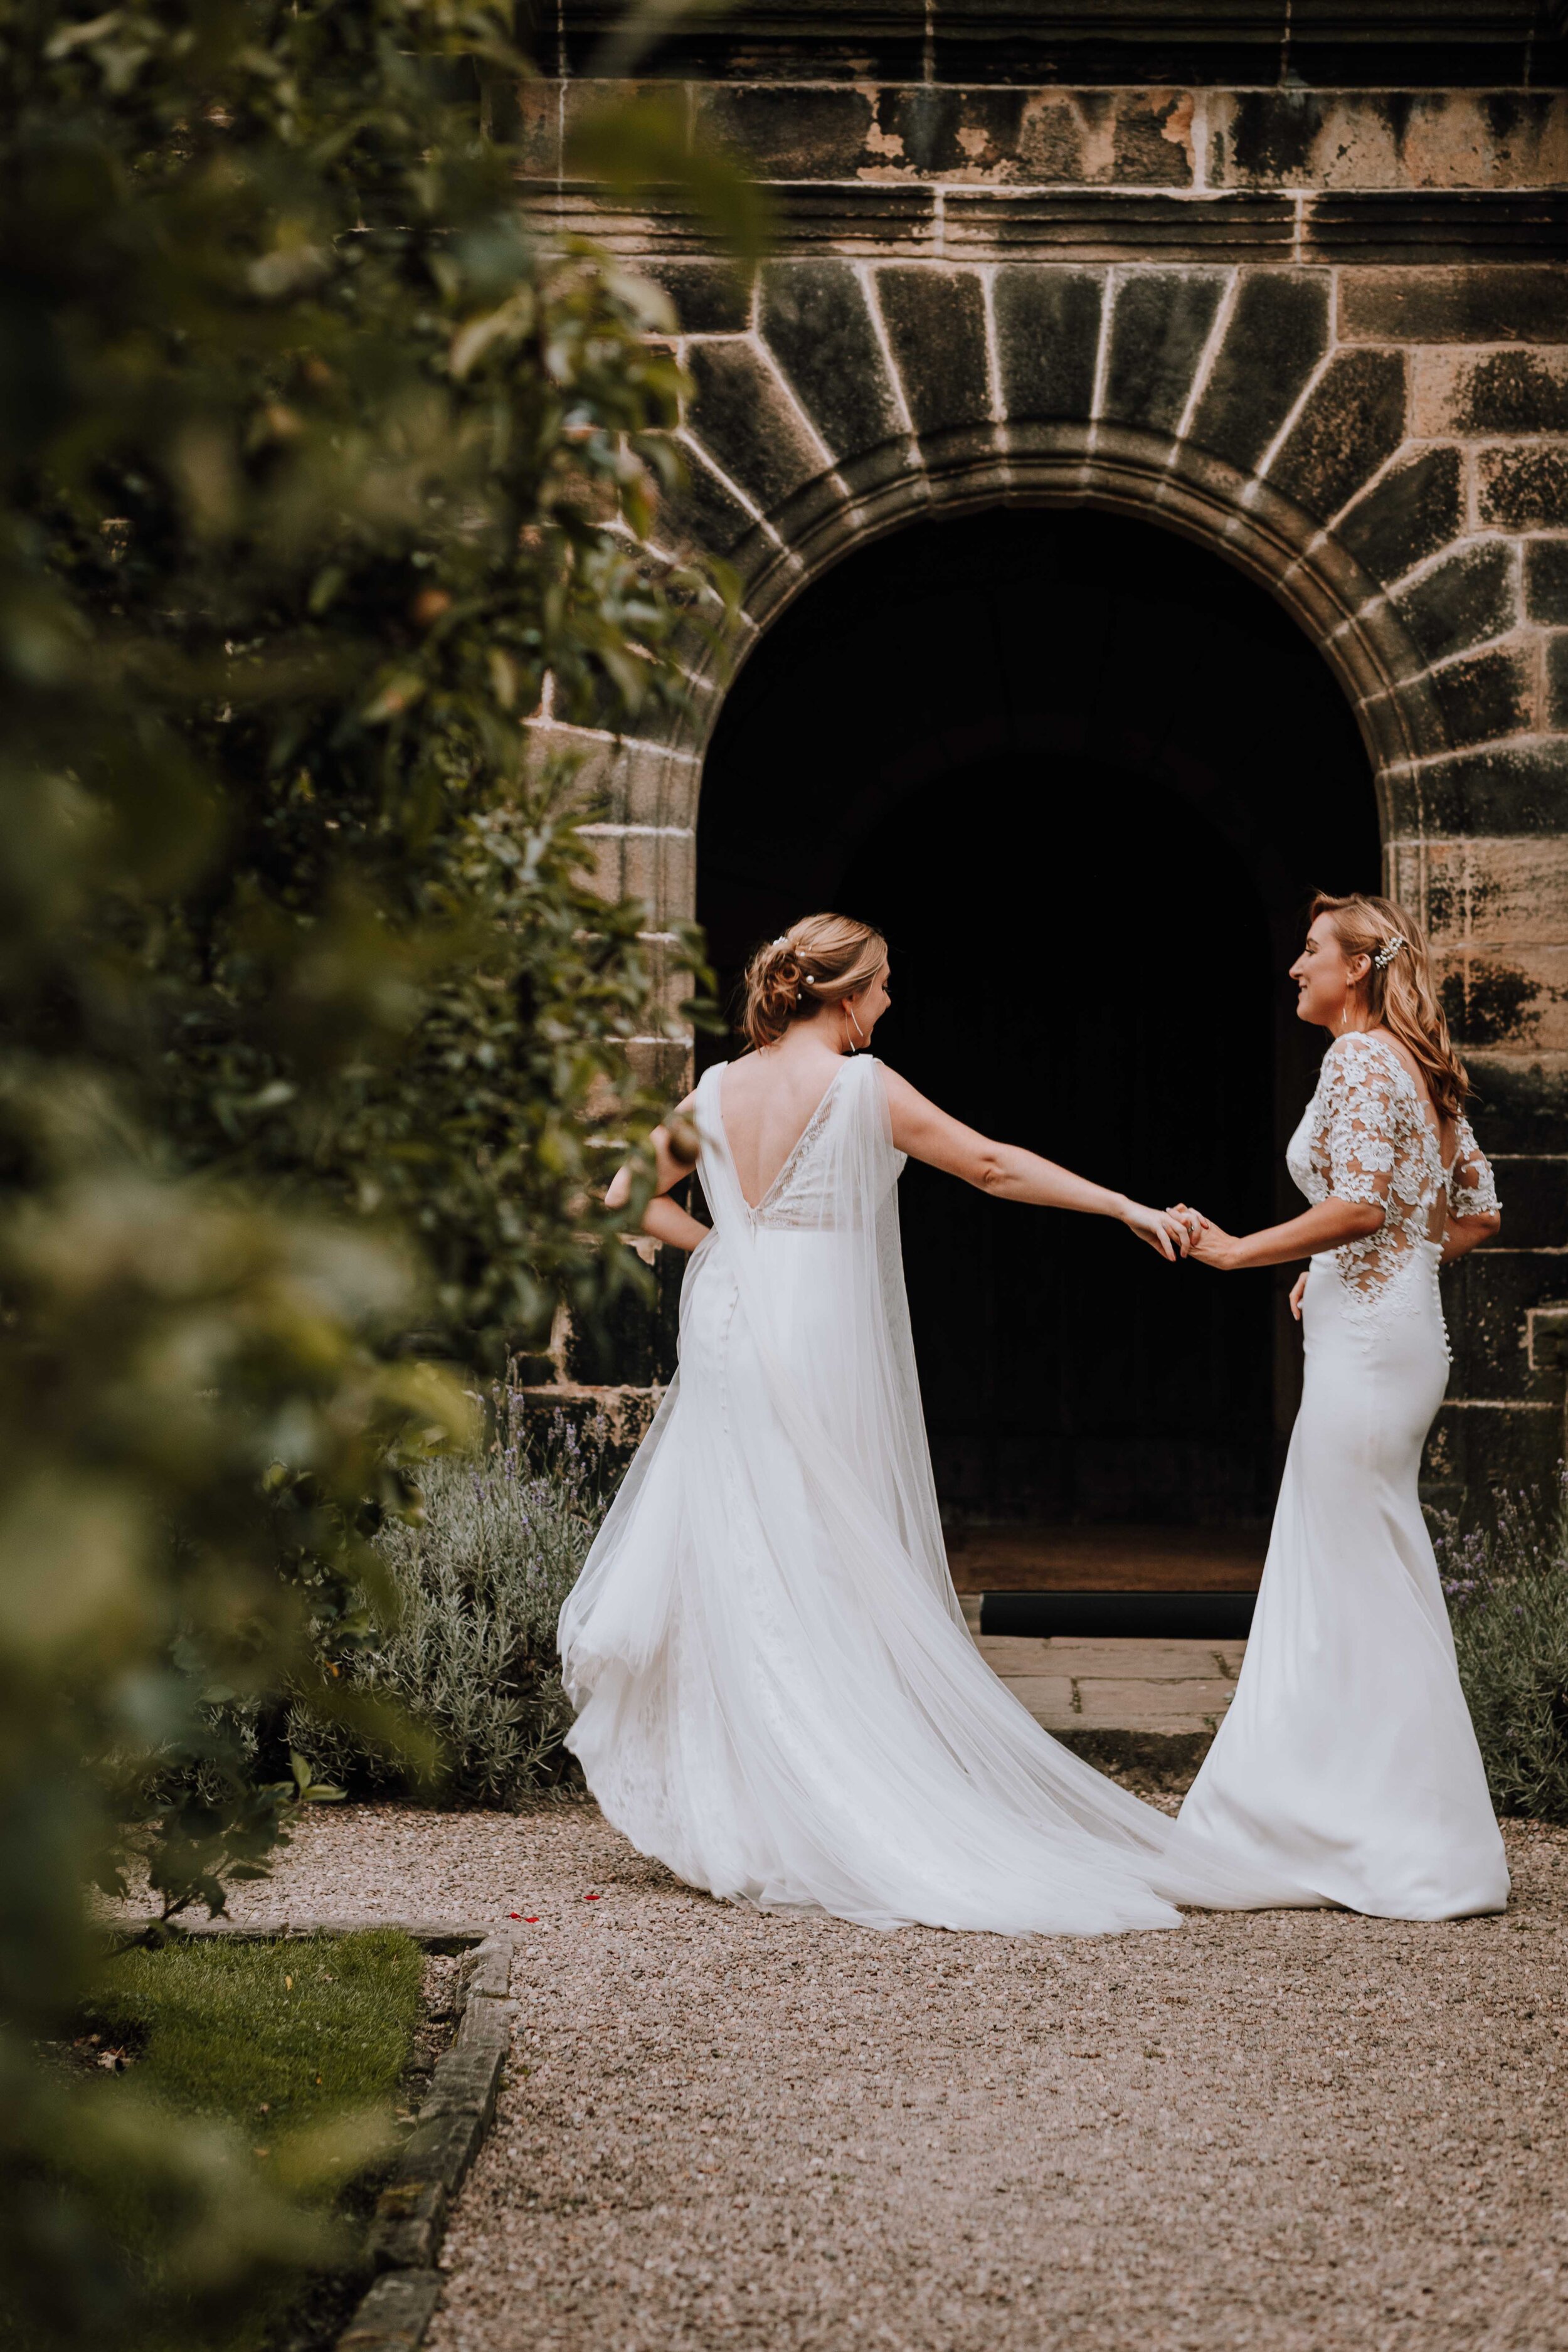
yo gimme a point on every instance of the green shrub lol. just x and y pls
(1507, 1585)
(473, 1661)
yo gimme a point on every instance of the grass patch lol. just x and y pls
(296, 2047)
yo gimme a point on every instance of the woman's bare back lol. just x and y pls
(766, 1101)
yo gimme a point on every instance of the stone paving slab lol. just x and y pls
(1063, 1705)
(1139, 1661)
(1071, 1684)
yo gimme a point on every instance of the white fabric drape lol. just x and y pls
(778, 1695)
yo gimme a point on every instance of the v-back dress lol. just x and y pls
(1347, 1763)
(778, 1695)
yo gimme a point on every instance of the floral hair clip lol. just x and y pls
(1388, 953)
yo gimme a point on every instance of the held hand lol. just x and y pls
(1298, 1292)
(1162, 1229)
(1213, 1247)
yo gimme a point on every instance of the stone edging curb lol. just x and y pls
(412, 2209)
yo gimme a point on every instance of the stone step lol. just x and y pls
(1080, 1686)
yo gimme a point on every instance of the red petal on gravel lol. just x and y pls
(514, 1914)
(531, 1920)
(593, 1898)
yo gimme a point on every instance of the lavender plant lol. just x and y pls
(471, 1660)
(1506, 1581)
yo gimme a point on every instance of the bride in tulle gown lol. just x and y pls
(778, 1696)
(1347, 1764)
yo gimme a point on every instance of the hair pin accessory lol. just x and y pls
(1390, 949)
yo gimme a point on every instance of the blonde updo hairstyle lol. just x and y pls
(819, 960)
(1400, 993)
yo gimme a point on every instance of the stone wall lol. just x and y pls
(1318, 324)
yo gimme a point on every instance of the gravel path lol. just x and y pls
(1285, 2130)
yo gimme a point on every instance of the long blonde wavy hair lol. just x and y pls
(819, 960)
(1401, 995)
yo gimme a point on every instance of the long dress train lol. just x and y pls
(778, 1695)
(1347, 1763)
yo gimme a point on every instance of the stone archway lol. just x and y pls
(1281, 416)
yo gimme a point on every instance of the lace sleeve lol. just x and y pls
(1472, 1189)
(1359, 1125)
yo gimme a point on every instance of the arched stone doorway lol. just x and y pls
(1085, 773)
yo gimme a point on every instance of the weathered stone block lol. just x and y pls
(1116, 226)
(1457, 228)
(1158, 329)
(1522, 489)
(1047, 340)
(662, 1063)
(710, 297)
(1387, 139)
(808, 132)
(1522, 1101)
(935, 320)
(1493, 893)
(1353, 422)
(1534, 1196)
(1278, 332)
(1506, 998)
(1082, 138)
(395, 2313)
(1487, 695)
(1501, 305)
(744, 416)
(1546, 581)
(1474, 1449)
(1516, 789)
(526, 116)
(704, 512)
(865, 219)
(1416, 508)
(1462, 601)
(1488, 1308)
(1557, 681)
(816, 322)
(628, 781)
(655, 864)
(1522, 390)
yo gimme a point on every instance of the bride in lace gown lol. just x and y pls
(1347, 1763)
(778, 1696)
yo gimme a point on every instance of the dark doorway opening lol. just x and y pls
(1084, 775)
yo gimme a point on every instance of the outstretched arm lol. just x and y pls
(1010, 1173)
(1325, 1227)
(664, 1219)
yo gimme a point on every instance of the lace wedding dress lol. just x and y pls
(778, 1695)
(1347, 1763)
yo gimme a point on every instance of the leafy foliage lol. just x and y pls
(318, 476)
(349, 471)
(1506, 1586)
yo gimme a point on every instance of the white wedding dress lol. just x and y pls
(1347, 1764)
(778, 1695)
